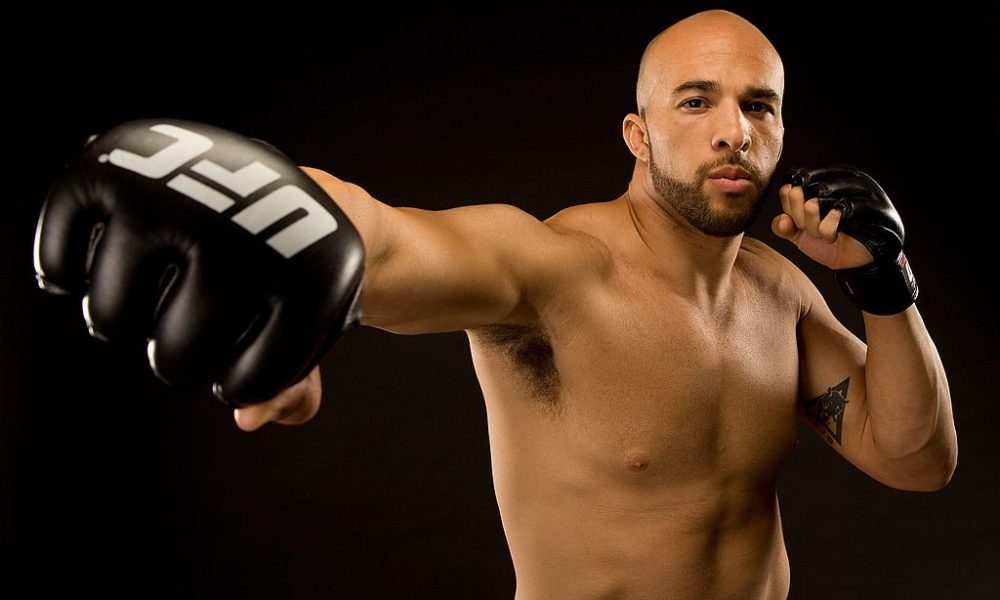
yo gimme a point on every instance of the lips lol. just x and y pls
(729, 173)
(732, 180)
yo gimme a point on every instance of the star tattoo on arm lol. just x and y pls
(827, 411)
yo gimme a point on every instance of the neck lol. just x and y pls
(699, 266)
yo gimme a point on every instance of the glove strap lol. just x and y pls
(883, 287)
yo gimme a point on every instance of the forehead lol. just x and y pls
(733, 60)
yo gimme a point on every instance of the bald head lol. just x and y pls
(713, 31)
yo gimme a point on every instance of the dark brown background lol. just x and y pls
(109, 482)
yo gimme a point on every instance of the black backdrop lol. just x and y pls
(112, 483)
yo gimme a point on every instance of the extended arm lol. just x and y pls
(238, 268)
(434, 271)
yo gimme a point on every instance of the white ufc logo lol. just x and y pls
(288, 241)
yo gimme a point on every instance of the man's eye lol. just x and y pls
(758, 107)
(694, 103)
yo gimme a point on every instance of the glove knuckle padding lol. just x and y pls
(63, 236)
(124, 283)
(265, 359)
(200, 322)
(267, 266)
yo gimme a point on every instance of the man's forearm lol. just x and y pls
(908, 401)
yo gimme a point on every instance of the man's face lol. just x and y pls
(714, 128)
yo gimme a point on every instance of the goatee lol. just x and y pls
(691, 202)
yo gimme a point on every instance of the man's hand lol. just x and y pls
(818, 237)
(840, 217)
(293, 406)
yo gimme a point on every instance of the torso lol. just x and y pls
(635, 440)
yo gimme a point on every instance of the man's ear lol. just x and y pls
(634, 132)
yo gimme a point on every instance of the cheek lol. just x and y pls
(675, 152)
(684, 136)
(769, 147)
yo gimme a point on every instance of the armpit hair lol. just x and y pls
(529, 350)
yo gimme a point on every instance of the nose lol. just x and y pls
(732, 129)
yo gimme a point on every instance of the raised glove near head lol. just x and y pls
(233, 264)
(886, 285)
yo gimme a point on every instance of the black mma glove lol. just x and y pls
(886, 285)
(233, 264)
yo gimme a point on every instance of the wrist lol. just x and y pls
(885, 286)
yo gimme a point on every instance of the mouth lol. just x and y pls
(733, 180)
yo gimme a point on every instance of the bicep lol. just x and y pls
(832, 391)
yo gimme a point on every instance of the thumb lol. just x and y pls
(252, 418)
(293, 406)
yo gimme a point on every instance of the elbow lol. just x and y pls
(925, 483)
(948, 467)
(946, 471)
(932, 476)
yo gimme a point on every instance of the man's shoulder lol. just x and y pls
(772, 272)
(765, 254)
(587, 225)
(591, 218)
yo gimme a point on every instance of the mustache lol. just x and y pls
(735, 161)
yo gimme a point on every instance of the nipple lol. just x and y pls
(637, 461)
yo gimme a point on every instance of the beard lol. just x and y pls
(691, 202)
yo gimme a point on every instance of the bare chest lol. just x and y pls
(639, 381)
(666, 387)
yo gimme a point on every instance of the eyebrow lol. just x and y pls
(705, 85)
(702, 85)
(761, 92)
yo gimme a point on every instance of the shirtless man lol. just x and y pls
(642, 361)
